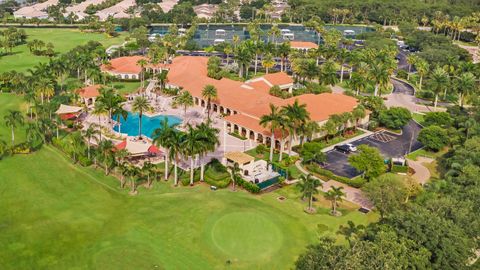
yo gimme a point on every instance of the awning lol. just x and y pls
(67, 109)
(68, 116)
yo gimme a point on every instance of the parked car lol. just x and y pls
(346, 148)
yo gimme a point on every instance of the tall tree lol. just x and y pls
(272, 121)
(140, 105)
(13, 119)
(209, 93)
(334, 195)
(309, 187)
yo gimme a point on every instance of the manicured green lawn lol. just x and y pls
(418, 117)
(11, 102)
(62, 39)
(56, 215)
(126, 87)
(425, 153)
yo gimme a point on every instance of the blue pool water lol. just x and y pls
(149, 124)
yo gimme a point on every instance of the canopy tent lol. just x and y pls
(67, 109)
(138, 148)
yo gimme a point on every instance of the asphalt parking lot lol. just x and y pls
(389, 144)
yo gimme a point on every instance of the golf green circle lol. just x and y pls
(246, 235)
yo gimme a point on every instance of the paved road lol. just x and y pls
(402, 96)
(389, 145)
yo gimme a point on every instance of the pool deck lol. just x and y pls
(194, 116)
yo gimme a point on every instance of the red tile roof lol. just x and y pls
(303, 45)
(90, 91)
(121, 145)
(128, 65)
(252, 99)
(123, 65)
(279, 78)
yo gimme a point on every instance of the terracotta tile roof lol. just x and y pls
(303, 45)
(251, 100)
(90, 91)
(279, 78)
(124, 65)
(260, 85)
(252, 124)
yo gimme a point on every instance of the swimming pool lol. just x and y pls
(149, 124)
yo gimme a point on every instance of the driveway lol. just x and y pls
(389, 144)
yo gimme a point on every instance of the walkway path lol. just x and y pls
(422, 174)
(353, 195)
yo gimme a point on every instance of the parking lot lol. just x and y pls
(389, 144)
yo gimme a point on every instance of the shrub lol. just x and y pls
(260, 149)
(217, 166)
(355, 182)
(433, 137)
(442, 119)
(248, 186)
(395, 117)
(84, 161)
(399, 169)
(402, 74)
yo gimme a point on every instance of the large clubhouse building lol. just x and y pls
(243, 103)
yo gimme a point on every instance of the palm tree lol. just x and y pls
(162, 78)
(342, 57)
(297, 116)
(328, 74)
(76, 145)
(123, 172)
(268, 62)
(33, 133)
(358, 83)
(358, 113)
(133, 171)
(110, 100)
(234, 173)
(140, 105)
(209, 92)
(346, 118)
(465, 85)
(190, 147)
(272, 121)
(163, 137)
(119, 112)
(243, 56)
(379, 75)
(330, 128)
(147, 169)
(185, 100)
(334, 195)
(208, 141)
(283, 51)
(105, 150)
(142, 63)
(411, 60)
(175, 148)
(422, 69)
(91, 132)
(13, 119)
(438, 82)
(99, 109)
(308, 187)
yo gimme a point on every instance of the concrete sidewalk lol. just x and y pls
(361, 136)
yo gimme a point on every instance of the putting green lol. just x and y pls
(246, 235)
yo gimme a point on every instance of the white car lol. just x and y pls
(352, 147)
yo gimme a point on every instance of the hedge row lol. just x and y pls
(399, 169)
(355, 182)
(250, 187)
